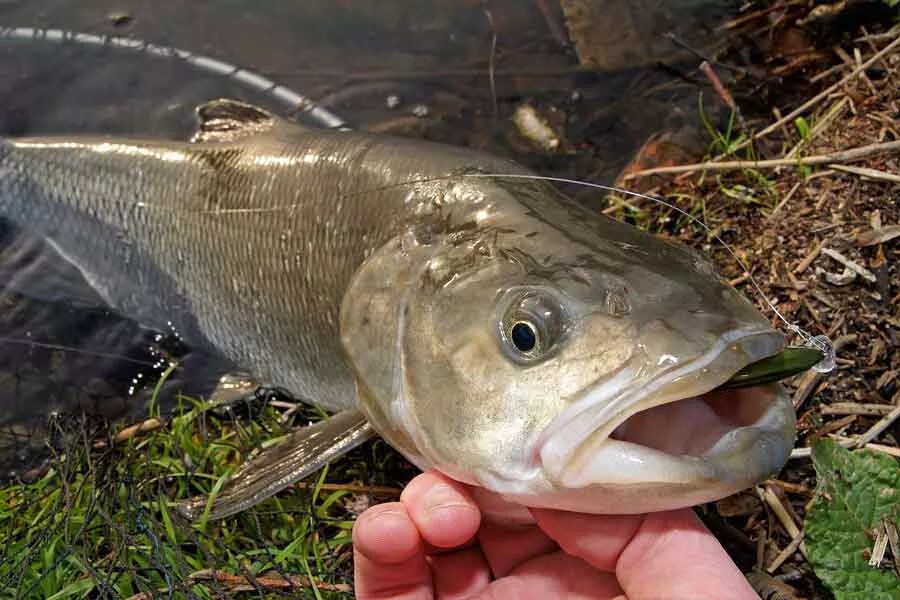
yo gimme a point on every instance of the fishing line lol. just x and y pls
(300, 103)
(820, 342)
(294, 101)
(72, 349)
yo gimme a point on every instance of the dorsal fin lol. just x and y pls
(226, 120)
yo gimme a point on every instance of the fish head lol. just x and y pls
(565, 360)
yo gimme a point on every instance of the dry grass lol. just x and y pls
(818, 241)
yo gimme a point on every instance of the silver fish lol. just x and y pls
(485, 325)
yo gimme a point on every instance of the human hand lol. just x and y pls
(433, 544)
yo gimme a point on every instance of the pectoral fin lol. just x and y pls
(302, 453)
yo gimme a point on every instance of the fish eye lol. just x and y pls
(524, 336)
(531, 326)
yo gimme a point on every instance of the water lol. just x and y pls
(444, 70)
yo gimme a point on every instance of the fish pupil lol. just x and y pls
(523, 336)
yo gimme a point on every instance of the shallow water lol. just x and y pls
(445, 70)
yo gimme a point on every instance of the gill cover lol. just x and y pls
(420, 325)
(373, 313)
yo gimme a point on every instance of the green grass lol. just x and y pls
(712, 196)
(101, 522)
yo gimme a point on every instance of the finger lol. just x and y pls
(597, 539)
(555, 575)
(507, 546)
(389, 558)
(459, 574)
(673, 555)
(444, 513)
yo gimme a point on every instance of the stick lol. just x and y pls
(807, 452)
(854, 408)
(774, 126)
(845, 442)
(808, 260)
(785, 200)
(866, 172)
(879, 427)
(266, 581)
(785, 554)
(718, 86)
(353, 488)
(820, 159)
(859, 270)
(786, 520)
(823, 94)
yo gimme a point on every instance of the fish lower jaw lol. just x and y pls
(685, 452)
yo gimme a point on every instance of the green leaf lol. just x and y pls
(803, 127)
(77, 588)
(856, 491)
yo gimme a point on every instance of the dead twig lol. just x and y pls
(821, 124)
(880, 547)
(718, 86)
(151, 424)
(786, 553)
(867, 172)
(845, 442)
(856, 268)
(808, 260)
(752, 16)
(787, 486)
(855, 408)
(893, 536)
(878, 428)
(785, 200)
(354, 488)
(784, 517)
(242, 583)
(830, 159)
(807, 452)
(788, 118)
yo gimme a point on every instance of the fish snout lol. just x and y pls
(674, 439)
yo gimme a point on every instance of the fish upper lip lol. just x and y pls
(604, 406)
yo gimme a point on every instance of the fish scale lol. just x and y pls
(375, 276)
(266, 301)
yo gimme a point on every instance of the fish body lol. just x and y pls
(485, 325)
(284, 227)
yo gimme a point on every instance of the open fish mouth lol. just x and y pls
(723, 435)
(705, 445)
(694, 426)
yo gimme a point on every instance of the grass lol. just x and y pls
(100, 523)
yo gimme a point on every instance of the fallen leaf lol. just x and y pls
(878, 236)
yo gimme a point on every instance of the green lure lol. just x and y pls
(791, 361)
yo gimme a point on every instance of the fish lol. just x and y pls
(479, 320)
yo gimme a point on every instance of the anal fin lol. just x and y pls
(302, 453)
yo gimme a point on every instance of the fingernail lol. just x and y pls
(442, 496)
(391, 517)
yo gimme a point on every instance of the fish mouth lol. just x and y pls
(683, 434)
